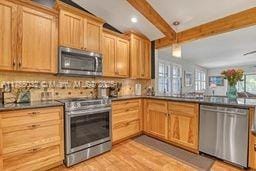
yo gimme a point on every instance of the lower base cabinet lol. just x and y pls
(31, 139)
(126, 119)
(156, 118)
(173, 122)
(183, 124)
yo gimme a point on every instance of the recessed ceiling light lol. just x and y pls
(134, 20)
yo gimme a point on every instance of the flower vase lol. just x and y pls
(232, 92)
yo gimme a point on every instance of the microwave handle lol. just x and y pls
(97, 63)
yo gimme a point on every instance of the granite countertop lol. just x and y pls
(36, 104)
(223, 101)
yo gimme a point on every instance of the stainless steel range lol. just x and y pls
(87, 129)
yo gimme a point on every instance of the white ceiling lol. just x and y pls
(220, 51)
(118, 13)
(192, 13)
(189, 12)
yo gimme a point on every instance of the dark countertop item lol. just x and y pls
(32, 105)
(222, 101)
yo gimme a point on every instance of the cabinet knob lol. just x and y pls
(14, 63)
(254, 147)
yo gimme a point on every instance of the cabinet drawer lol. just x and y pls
(28, 136)
(126, 116)
(157, 105)
(127, 105)
(32, 159)
(182, 108)
(21, 117)
(125, 129)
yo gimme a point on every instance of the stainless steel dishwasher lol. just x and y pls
(224, 133)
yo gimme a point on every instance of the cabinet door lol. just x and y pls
(71, 30)
(183, 124)
(109, 49)
(8, 32)
(156, 118)
(122, 57)
(147, 59)
(135, 57)
(38, 41)
(93, 36)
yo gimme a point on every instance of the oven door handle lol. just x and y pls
(97, 64)
(88, 112)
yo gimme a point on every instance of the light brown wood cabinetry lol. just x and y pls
(28, 38)
(38, 41)
(183, 124)
(156, 118)
(140, 60)
(8, 35)
(93, 36)
(115, 56)
(71, 30)
(126, 119)
(31, 139)
(174, 122)
(78, 29)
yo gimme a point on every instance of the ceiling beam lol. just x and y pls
(148, 12)
(229, 23)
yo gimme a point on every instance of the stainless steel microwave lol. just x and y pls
(78, 62)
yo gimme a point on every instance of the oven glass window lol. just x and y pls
(89, 128)
(71, 61)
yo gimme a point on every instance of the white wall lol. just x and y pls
(186, 66)
(221, 90)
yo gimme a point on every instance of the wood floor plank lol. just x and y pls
(133, 156)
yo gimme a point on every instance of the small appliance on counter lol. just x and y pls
(150, 91)
(103, 92)
(115, 89)
(138, 89)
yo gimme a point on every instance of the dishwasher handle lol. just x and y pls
(226, 112)
(253, 127)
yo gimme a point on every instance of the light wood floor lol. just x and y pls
(131, 155)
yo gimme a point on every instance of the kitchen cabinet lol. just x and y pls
(140, 58)
(252, 141)
(79, 29)
(29, 38)
(31, 139)
(183, 124)
(115, 56)
(93, 36)
(71, 30)
(38, 41)
(156, 118)
(126, 119)
(8, 35)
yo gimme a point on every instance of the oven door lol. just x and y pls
(77, 62)
(87, 128)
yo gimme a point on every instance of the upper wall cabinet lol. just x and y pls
(71, 30)
(78, 29)
(8, 35)
(115, 56)
(140, 59)
(28, 38)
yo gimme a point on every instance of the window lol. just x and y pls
(164, 77)
(248, 84)
(200, 80)
(176, 79)
(169, 78)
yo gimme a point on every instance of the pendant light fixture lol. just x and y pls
(176, 47)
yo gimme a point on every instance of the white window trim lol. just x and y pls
(195, 80)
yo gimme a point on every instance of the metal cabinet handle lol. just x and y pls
(34, 150)
(33, 113)
(254, 147)
(14, 63)
(33, 126)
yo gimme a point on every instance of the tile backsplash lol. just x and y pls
(60, 92)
